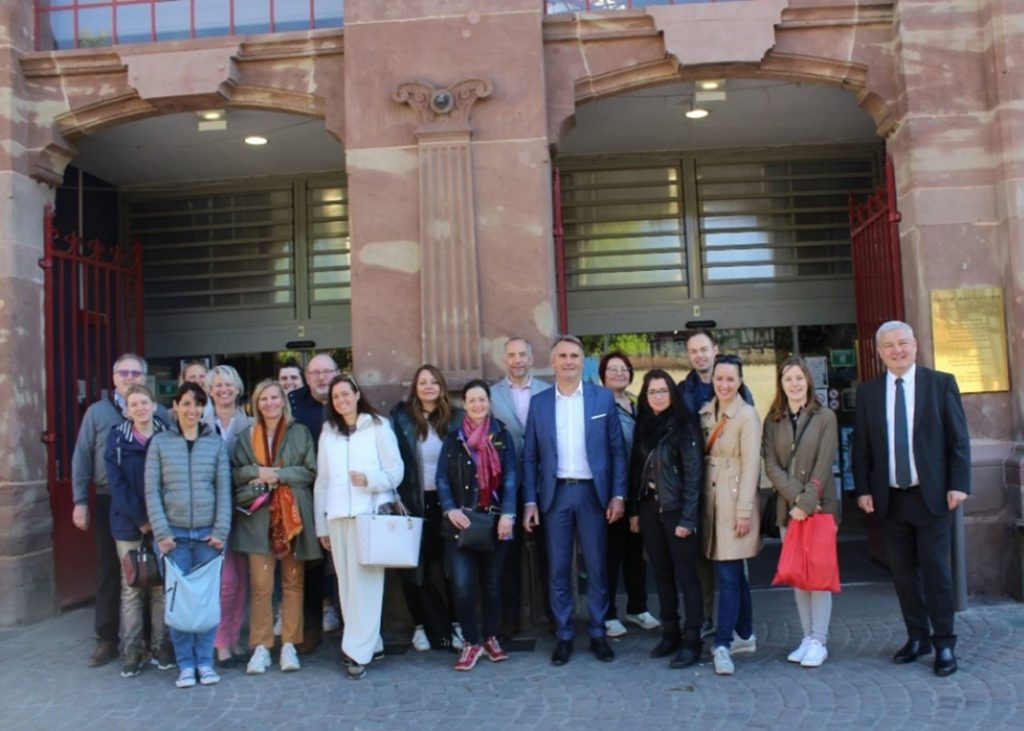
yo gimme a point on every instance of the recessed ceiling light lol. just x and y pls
(710, 85)
(212, 114)
(697, 113)
(255, 140)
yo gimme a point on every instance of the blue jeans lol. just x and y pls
(735, 610)
(191, 549)
(465, 569)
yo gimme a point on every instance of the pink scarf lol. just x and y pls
(488, 463)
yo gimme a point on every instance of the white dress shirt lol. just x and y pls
(909, 384)
(571, 436)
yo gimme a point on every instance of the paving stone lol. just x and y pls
(47, 686)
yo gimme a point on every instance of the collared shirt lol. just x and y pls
(571, 436)
(521, 398)
(909, 387)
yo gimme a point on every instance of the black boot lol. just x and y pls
(669, 644)
(689, 652)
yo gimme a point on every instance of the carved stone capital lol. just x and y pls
(443, 107)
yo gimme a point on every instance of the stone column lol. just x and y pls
(449, 297)
(450, 223)
(956, 147)
(26, 554)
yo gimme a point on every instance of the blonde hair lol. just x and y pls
(258, 391)
(228, 374)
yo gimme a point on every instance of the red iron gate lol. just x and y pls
(877, 277)
(93, 312)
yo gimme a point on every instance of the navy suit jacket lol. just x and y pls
(606, 449)
(940, 442)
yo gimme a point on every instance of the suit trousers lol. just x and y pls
(108, 574)
(576, 512)
(917, 546)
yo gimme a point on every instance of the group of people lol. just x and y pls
(673, 474)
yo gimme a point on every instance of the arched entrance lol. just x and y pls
(244, 247)
(733, 219)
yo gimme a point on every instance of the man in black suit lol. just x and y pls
(912, 468)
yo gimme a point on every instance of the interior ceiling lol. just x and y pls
(755, 114)
(171, 149)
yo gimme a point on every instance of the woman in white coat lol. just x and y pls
(357, 459)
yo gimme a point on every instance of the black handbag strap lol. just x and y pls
(796, 442)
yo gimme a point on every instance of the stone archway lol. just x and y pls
(85, 93)
(592, 57)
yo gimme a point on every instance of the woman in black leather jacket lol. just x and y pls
(476, 473)
(664, 507)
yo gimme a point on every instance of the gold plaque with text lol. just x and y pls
(969, 329)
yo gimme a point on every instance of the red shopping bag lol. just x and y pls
(809, 560)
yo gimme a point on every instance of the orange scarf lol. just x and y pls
(285, 520)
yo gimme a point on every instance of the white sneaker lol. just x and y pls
(420, 643)
(207, 675)
(186, 678)
(332, 621)
(723, 661)
(289, 658)
(614, 628)
(458, 641)
(742, 646)
(644, 620)
(798, 654)
(277, 623)
(259, 662)
(815, 655)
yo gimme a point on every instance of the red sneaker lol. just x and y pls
(468, 657)
(493, 650)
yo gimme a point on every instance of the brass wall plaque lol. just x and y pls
(969, 329)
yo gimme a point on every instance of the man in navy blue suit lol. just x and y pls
(574, 471)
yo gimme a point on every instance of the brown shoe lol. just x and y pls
(105, 652)
(310, 641)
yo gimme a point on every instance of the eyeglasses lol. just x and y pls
(617, 369)
(657, 392)
(730, 359)
(325, 372)
(125, 373)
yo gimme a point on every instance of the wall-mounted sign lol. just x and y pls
(969, 331)
(843, 358)
(818, 366)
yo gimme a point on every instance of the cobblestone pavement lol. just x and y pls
(45, 684)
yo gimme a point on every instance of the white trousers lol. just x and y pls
(360, 589)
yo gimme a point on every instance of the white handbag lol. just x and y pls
(391, 541)
(192, 600)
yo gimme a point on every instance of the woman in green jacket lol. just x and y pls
(273, 468)
(800, 445)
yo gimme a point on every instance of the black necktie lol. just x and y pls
(901, 440)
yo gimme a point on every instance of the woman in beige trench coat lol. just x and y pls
(732, 443)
